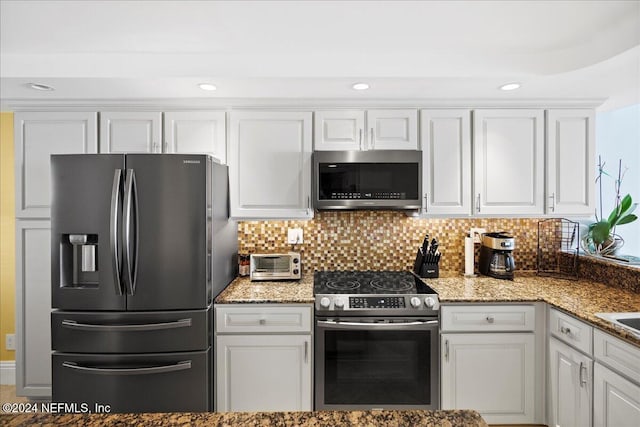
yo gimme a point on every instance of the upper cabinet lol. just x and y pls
(395, 129)
(270, 164)
(446, 161)
(201, 132)
(131, 132)
(509, 162)
(570, 162)
(37, 136)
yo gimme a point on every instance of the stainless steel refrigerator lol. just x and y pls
(141, 244)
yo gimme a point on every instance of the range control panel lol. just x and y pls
(376, 302)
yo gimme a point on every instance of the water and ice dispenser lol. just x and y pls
(79, 260)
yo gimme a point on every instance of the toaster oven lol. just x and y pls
(275, 266)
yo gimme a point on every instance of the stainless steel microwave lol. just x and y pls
(375, 179)
(275, 266)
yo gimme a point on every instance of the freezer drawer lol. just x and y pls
(131, 332)
(170, 382)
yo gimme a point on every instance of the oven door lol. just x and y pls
(375, 363)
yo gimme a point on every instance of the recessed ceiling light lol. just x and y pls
(360, 86)
(207, 86)
(38, 86)
(510, 86)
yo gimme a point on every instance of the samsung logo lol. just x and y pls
(197, 162)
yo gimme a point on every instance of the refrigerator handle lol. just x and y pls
(113, 232)
(130, 243)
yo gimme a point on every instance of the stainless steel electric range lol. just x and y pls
(376, 341)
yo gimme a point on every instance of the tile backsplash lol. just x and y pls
(382, 240)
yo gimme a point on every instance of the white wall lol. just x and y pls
(618, 137)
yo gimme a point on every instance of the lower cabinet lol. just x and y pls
(264, 357)
(616, 399)
(491, 373)
(571, 381)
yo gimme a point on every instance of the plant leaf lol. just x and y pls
(627, 219)
(626, 202)
(613, 216)
(600, 232)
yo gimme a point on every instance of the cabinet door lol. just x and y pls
(37, 136)
(570, 162)
(616, 400)
(571, 378)
(263, 372)
(446, 161)
(196, 132)
(509, 161)
(130, 132)
(339, 130)
(270, 165)
(392, 129)
(33, 308)
(490, 373)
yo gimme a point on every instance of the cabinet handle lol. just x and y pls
(361, 132)
(478, 203)
(308, 205)
(566, 331)
(583, 379)
(373, 141)
(263, 321)
(553, 202)
(490, 319)
(426, 203)
(306, 351)
(446, 350)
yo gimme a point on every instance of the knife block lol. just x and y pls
(426, 267)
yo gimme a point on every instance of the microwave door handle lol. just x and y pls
(114, 224)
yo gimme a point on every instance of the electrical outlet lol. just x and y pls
(477, 233)
(294, 236)
(10, 342)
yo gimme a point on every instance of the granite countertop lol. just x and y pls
(581, 298)
(449, 418)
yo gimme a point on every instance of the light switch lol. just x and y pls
(294, 236)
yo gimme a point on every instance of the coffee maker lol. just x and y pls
(496, 255)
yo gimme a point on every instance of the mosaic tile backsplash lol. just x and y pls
(382, 240)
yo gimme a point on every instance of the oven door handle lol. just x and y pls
(330, 324)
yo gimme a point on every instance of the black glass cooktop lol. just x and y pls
(368, 283)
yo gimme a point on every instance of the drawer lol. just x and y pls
(617, 354)
(489, 318)
(570, 330)
(256, 318)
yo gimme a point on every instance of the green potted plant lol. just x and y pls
(601, 238)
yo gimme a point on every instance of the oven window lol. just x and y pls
(377, 367)
(368, 181)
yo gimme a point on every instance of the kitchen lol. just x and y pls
(268, 123)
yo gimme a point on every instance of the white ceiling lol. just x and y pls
(316, 49)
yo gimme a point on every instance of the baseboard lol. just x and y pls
(8, 372)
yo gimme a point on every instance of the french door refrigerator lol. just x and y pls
(141, 244)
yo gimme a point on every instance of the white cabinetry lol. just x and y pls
(509, 161)
(263, 358)
(571, 382)
(201, 132)
(33, 302)
(131, 132)
(488, 371)
(37, 136)
(393, 129)
(270, 164)
(616, 383)
(570, 162)
(446, 161)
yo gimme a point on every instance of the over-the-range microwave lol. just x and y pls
(375, 179)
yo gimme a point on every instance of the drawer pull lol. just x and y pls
(446, 350)
(490, 319)
(72, 324)
(566, 331)
(263, 321)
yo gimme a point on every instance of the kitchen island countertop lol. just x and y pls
(448, 418)
(581, 298)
